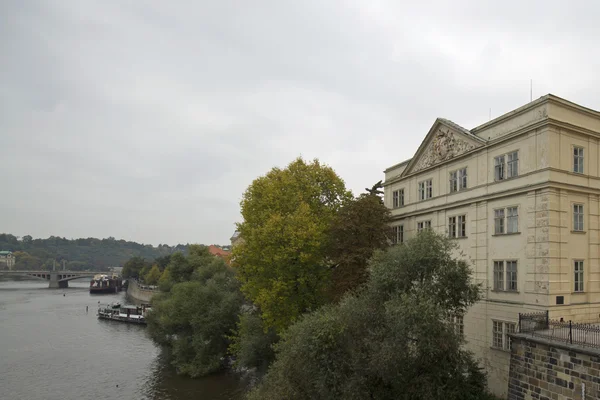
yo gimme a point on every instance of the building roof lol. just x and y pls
(5, 252)
(217, 251)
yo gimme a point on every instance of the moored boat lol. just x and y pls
(128, 313)
(106, 284)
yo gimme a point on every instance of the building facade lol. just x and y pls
(521, 196)
(7, 259)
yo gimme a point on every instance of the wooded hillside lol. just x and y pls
(79, 254)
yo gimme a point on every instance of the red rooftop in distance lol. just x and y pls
(219, 252)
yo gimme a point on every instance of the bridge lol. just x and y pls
(57, 279)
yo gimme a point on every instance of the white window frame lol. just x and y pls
(512, 276)
(425, 189)
(397, 234)
(457, 226)
(452, 227)
(426, 224)
(506, 166)
(512, 164)
(499, 215)
(506, 220)
(499, 168)
(458, 180)
(512, 219)
(578, 158)
(505, 275)
(453, 181)
(578, 276)
(578, 217)
(498, 272)
(500, 332)
(398, 198)
(461, 226)
(458, 324)
(462, 178)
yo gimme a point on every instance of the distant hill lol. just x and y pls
(79, 254)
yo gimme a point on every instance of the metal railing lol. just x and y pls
(540, 325)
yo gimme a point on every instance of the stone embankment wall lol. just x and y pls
(548, 370)
(139, 292)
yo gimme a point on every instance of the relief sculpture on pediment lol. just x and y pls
(444, 146)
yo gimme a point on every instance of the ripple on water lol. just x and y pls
(50, 348)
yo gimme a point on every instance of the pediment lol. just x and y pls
(444, 142)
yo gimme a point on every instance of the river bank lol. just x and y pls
(138, 292)
(73, 355)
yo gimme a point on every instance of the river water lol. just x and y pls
(52, 349)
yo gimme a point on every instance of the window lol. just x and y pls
(457, 226)
(458, 180)
(513, 164)
(578, 276)
(511, 276)
(425, 190)
(397, 234)
(462, 226)
(497, 333)
(500, 332)
(505, 279)
(453, 181)
(499, 275)
(499, 221)
(512, 220)
(578, 159)
(458, 324)
(499, 168)
(462, 178)
(578, 217)
(506, 166)
(510, 225)
(452, 227)
(423, 225)
(398, 198)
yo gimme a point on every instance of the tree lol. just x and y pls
(282, 261)
(195, 317)
(25, 261)
(359, 228)
(391, 340)
(133, 267)
(152, 277)
(252, 344)
(165, 283)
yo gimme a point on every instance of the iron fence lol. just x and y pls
(538, 324)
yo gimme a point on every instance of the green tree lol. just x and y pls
(133, 267)
(252, 344)
(359, 228)
(195, 317)
(152, 277)
(391, 340)
(282, 261)
(165, 283)
(25, 261)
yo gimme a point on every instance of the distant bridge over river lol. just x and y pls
(57, 279)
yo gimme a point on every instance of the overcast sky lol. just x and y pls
(147, 120)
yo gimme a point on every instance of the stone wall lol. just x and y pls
(545, 370)
(138, 293)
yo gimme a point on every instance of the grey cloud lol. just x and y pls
(148, 120)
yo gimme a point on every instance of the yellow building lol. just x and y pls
(521, 195)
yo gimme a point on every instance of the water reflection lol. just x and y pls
(47, 334)
(164, 383)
